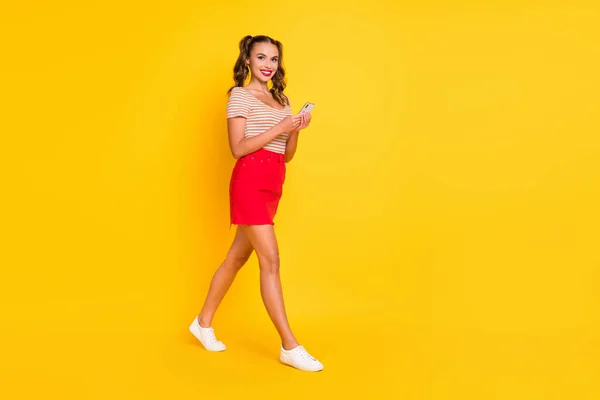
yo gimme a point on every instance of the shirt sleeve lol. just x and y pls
(238, 104)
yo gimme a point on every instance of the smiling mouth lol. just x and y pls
(266, 72)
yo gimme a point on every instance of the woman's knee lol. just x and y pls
(269, 262)
(237, 261)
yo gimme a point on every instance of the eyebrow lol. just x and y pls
(262, 54)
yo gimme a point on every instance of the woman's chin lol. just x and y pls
(263, 78)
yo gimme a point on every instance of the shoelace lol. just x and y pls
(305, 354)
(211, 336)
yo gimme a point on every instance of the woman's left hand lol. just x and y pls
(306, 117)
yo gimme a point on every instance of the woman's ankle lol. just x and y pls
(204, 322)
(289, 344)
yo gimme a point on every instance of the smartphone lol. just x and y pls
(308, 107)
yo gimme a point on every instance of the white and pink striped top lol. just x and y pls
(259, 117)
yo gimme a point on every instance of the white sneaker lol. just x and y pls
(206, 336)
(299, 358)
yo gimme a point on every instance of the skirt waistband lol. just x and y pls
(264, 154)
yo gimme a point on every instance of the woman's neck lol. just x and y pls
(258, 86)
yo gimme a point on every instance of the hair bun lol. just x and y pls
(245, 41)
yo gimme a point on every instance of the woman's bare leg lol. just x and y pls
(264, 242)
(238, 254)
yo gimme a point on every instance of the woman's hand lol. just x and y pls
(290, 123)
(306, 117)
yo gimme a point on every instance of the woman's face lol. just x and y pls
(263, 62)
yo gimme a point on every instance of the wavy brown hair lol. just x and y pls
(241, 69)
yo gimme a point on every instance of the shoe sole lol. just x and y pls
(299, 369)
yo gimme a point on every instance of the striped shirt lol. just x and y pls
(259, 117)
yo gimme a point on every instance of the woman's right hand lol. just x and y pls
(290, 123)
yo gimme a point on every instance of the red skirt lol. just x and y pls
(256, 187)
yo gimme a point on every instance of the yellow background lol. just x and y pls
(439, 228)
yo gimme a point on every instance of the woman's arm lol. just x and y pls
(240, 145)
(292, 141)
(292, 144)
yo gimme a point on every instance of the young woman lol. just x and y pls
(263, 136)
